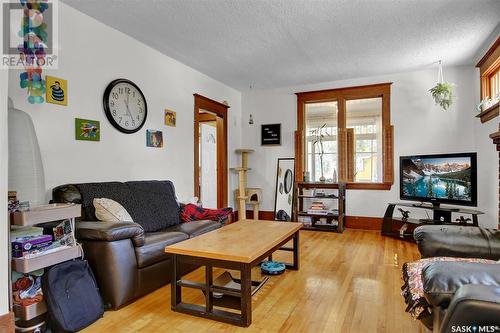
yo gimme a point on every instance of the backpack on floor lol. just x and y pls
(72, 296)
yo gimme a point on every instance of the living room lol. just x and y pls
(274, 83)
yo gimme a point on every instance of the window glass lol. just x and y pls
(365, 117)
(321, 140)
(495, 84)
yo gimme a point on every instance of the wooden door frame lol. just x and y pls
(221, 110)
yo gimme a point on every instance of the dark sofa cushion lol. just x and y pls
(155, 207)
(152, 204)
(457, 241)
(153, 250)
(195, 228)
(441, 280)
(116, 191)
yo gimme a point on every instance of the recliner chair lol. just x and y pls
(462, 294)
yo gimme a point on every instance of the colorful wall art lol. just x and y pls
(170, 118)
(32, 51)
(87, 130)
(154, 138)
(56, 90)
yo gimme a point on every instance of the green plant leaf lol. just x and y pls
(442, 94)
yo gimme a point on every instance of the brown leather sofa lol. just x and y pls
(128, 258)
(462, 294)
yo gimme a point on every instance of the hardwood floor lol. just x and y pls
(347, 282)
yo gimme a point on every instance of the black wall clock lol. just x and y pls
(125, 106)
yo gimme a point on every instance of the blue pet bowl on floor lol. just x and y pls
(272, 267)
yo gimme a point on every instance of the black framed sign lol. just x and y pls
(270, 135)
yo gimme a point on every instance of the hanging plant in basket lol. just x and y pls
(442, 92)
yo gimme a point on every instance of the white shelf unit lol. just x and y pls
(35, 216)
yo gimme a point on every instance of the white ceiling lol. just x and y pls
(277, 43)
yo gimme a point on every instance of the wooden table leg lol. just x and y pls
(208, 283)
(176, 296)
(296, 254)
(246, 295)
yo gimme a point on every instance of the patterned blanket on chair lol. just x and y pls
(413, 289)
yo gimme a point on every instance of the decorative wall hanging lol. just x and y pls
(270, 134)
(442, 92)
(285, 179)
(87, 130)
(170, 118)
(56, 90)
(154, 138)
(32, 51)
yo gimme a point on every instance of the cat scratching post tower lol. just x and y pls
(244, 195)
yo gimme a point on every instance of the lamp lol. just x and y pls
(26, 174)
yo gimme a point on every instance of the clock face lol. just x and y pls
(125, 106)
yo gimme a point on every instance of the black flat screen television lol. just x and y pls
(443, 178)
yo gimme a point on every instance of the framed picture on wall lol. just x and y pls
(285, 180)
(56, 90)
(154, 138)
(87, 130)
(170, 118)
(270, 135)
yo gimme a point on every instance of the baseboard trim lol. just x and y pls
(7, 322)
(263, 215)
(351, 222)
(363, 222)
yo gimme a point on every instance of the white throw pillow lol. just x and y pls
(110, 211)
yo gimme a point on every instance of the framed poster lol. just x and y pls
(285, 180)
(154, 138)
(270, 134)
(170, 118)
(56, 90)
(87, 130)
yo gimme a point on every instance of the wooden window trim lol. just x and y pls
(341, 95)
(221, 110)
(488, 65)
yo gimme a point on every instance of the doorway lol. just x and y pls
(210, 152)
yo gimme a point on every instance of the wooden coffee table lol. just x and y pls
(238, 246)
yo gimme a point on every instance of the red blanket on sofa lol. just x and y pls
(192, 212)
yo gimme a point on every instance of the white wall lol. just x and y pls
(4, 224)
(420, 127)
(92, 55)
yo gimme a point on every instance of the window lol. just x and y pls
(345, 135)
(364, 118)
(321, 121)
(489, 68)
(495, 83)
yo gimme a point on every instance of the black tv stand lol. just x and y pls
(403, 228)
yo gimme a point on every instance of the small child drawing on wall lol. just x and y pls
(57, 92)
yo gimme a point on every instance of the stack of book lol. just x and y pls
(317, 207)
